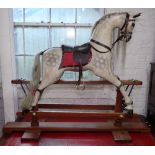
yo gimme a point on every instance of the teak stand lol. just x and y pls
(116, 121)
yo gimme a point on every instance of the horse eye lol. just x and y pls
(133, 24)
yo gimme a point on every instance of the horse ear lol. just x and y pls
(137, 15)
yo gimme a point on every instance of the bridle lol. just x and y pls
(124, 35)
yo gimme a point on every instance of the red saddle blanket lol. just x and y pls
(68, 60)
(74, 58)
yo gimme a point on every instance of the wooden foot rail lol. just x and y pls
(75, 126)
(125, 82)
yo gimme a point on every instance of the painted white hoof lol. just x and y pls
(128, 108)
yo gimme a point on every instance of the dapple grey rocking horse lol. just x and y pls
(95, 56)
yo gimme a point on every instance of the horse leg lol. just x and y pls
(109, 76)
(48, 80)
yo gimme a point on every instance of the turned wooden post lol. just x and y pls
(118, 121)
(34, 121)
(118, 104)
(118, 108)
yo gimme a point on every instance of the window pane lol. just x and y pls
(37, 15)
(63, 36)
(20, 67)
(18, 36)
(29, 61)
(88, 75)
(87, 15)
(36, 40)
(68, 76)
(82, 35)
(63, 15)
(18, 15)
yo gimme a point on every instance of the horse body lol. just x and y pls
(100, 63)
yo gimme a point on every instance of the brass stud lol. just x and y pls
(121, 116)
(33, 113)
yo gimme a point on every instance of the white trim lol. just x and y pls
(37, 24)
(8, 64)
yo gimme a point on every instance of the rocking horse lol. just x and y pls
(95, 56)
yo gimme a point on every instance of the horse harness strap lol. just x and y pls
(105, 46)
(101, 44)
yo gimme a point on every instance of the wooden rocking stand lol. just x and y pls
(117, 122)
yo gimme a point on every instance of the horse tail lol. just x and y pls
(36, 71)
(36, 74)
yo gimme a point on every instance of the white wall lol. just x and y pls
(1, 112)
(1, 107)
(7, 62)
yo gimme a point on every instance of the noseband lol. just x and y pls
(123, 35)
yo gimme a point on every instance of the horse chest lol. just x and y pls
(99, 62)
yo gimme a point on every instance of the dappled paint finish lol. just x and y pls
(52, 59)
(100, 64)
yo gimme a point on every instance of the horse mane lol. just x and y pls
(104, 18)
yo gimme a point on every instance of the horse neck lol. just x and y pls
(104, 31)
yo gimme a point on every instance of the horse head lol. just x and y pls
(129, 24)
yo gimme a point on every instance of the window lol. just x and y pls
(39, 29)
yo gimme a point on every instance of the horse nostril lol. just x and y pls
(133, 24)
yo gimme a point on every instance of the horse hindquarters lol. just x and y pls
(52, 73)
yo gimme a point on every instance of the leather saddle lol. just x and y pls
(81, 55)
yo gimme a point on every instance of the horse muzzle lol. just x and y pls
(128, 36)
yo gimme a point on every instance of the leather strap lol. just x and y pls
(126, 21)
(40, 91)
(101, 44)
(80, 75)
(98, 50)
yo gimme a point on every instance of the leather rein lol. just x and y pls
(123, 32)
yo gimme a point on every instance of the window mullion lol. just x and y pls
(23, 28)
(31, 24)
(50, 40)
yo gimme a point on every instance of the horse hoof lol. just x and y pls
(129, 112)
